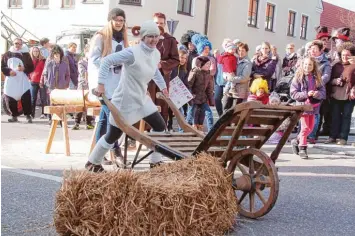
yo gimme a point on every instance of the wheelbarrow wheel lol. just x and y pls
(254, 175)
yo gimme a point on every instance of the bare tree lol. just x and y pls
(348, 19)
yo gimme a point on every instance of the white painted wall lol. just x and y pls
(137, 14)
(50, 22)
(229, 18)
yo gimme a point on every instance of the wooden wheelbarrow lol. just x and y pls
(236, 139)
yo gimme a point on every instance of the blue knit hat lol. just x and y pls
(202, 44)
(197, 38)
(200, 41)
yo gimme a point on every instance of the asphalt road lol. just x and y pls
(316, 196)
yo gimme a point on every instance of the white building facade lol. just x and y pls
(47, 18)
(253, 21)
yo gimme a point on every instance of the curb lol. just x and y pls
(337, 150)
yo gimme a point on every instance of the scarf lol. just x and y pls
(117, 36)
(260, 60)
(146, 48)
(290, 55)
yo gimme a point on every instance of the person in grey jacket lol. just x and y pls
(316, 51)
(73, 65)
(240, 88)
(112, 38)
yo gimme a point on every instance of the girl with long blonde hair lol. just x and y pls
(307, 88)
(111, 39)
(38, 61)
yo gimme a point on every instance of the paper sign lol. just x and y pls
(179, 94)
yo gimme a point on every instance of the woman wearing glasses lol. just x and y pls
(112, 38)
(290, 60)
(140, 64)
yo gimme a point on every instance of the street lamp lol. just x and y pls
(172, 24)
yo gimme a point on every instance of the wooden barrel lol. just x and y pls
(72, 97)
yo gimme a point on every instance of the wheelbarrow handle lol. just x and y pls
(102, 97)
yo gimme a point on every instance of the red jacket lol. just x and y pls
(229, 62)
(264, 99)
(35, 76)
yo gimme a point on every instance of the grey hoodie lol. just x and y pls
(325, 67)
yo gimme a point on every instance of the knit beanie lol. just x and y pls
(236, 41)
(149, 28)
(186, 38)
(116, 12)
(225, 41)
(201, 61)
(274, 98)
(229, 46)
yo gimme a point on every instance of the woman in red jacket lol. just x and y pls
(35, 77)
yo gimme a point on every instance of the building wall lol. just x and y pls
(137, 14)
(229, 18)
(50, 22)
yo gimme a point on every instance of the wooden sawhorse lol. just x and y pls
(59, 113)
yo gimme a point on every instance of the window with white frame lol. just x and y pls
(15, 3)
(131, 2)
(41, 3)
(270, 17)
(68, 3)
(253, 13)
(304, 26)
(291, 23)
(185, 7)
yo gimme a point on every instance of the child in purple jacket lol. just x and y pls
(307, 88)
(56, 73)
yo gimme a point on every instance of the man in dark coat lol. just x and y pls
(168, 49)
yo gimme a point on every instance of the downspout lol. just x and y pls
(207, 16)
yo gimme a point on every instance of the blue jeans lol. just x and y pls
(341, 118)
(315, 128)
(34, 93)
(208, 114)
(103, 124)
(181, 109)
(218, 95)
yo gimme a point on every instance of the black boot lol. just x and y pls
(13, 119)
(106, 162)
(295, 148)
(118, 157)
(303, 152)
(94, 168)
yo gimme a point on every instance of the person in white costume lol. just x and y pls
(140, 65)
(16, 64)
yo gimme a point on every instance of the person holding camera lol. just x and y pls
(342, 95)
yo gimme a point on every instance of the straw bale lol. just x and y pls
(188, 197)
